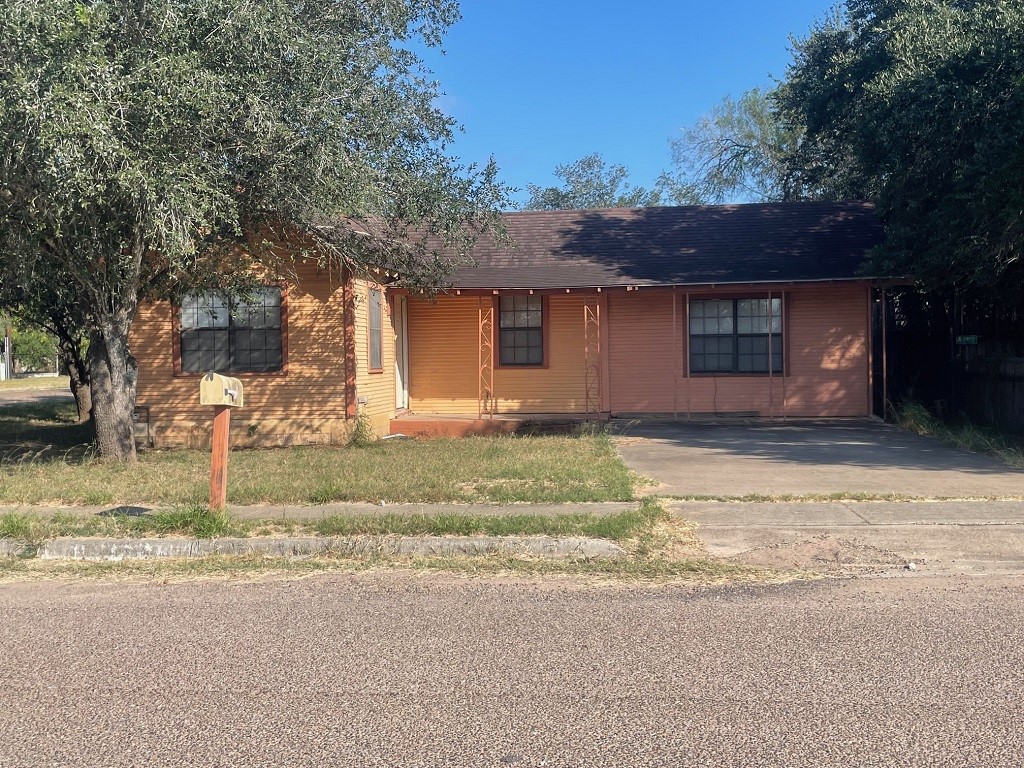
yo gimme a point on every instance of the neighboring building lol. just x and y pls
(759, 310)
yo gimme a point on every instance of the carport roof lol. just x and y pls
(687, 245)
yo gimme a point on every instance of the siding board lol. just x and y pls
(305, 405)
(826, 330)
(444, 360)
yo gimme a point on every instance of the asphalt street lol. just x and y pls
(409, 670)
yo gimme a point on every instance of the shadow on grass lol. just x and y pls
(43, 430)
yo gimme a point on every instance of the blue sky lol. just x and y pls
(538, 84)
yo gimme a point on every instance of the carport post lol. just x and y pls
(677, 351)
(686, 357)
(771, 363)
(885, 356)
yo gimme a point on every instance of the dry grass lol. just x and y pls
(36, 383)
(699, 571)
(200, 522)
(962, 434)
(45, 460)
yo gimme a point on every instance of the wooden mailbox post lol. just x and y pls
(223, 393)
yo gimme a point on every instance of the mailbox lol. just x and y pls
(215, 389)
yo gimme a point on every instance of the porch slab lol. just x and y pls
(452, 426)
(444, 425)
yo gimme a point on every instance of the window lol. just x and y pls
(521, 330)
(733, 335)
(376, 331)
(221, 333)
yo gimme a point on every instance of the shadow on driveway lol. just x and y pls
(821, 457)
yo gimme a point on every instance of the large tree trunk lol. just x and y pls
(70, 351)
(113, 375)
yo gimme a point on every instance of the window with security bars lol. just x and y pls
(521, 330)
(735, 335)
(230, 334)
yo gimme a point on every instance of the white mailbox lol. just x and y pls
(215, 389)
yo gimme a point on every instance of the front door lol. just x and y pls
(401, 320)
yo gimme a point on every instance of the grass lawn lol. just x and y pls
(44, 458)
(36, 382)
(203, 523)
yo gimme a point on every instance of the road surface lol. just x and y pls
(406, 670)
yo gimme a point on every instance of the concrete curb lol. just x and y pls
(418, 546)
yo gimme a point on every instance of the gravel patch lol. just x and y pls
(823, 554)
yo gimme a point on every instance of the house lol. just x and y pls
(760, 310)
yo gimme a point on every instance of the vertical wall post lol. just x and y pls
(676, 352)
(885, 355)
(771, 362)
(606, 383)
(485, 358)
(686, 354)
(592, 355)
(785, 347)
(349, 313)
(871, 350)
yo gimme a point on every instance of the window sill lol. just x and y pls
(234, 374)
(734, 375)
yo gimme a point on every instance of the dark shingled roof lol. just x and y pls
(689, 245)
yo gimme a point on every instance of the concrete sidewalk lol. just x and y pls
(963, 536)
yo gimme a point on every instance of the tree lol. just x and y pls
(736, 153)
(34, 348)
(153, 147)
(919, 105)
(589, 183)
(49, 303)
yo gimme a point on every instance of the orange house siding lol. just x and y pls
(444, 362)
(304, 405)
(825, 351)
(375, 390)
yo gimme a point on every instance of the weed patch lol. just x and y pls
(961, 434)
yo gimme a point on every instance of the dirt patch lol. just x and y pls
(822, 554)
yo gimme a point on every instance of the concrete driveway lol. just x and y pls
(965, 514)
(858, 457)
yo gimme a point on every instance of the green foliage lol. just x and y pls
(919, 105)
(194, 520)
(362, 434)
(152, 148)
(15, 525)
(35, 349)
(144, 136)
(589, 183)
(736, 153)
